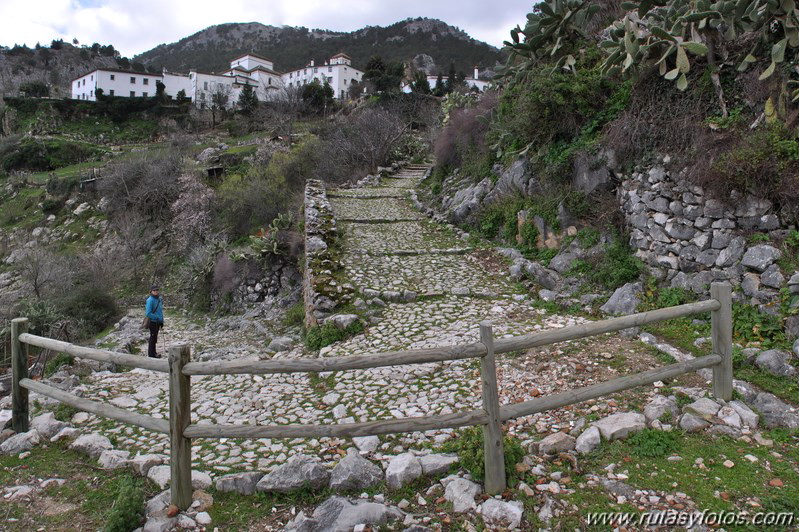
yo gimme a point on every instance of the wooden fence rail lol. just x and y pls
(490, 416)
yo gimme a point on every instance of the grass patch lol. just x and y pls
(318, 337)
(295, 315)
(468, 445)
(783, 387)
(651, 443)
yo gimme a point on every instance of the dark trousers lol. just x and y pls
(154, 328)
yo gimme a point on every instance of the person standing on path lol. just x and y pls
(154, 309)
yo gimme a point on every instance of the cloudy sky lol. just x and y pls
(134, 26)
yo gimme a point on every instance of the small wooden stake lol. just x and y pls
(179, 419)
(492, 431)
(721, 324)
(20, 416)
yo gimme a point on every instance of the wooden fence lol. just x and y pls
(490, 416)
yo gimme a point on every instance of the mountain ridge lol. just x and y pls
(292, 47)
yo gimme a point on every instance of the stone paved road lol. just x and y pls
(450, 313)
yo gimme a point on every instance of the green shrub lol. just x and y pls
(468, 445)
(92, 306)
(46, 154)
(751, 325)
(318, 337)
(128, 510)
(64, 412)
(617, 266)
(651, 443)
(295, 315)
(588, 237)
(53, 365)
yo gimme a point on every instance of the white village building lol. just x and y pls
(338, 72)
(249, 69)
(473, 82)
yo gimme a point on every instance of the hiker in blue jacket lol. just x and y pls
(154, 309)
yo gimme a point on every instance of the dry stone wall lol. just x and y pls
(690, 239)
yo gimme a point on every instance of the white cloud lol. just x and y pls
(134, 26)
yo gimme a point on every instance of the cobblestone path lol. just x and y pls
(388, 245)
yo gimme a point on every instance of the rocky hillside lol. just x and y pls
(56, 67)
(292, 47)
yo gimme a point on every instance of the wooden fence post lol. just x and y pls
(179, 419)
(492, 431)
(721, 323)
(20, 416)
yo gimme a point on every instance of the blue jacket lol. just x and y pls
(154, 309)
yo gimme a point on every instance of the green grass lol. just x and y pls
(69, 171)
(91, 493)
(783, 387)
(318, 337)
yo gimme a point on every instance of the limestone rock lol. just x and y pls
(367, 444)
(691, 423)
(556, 443)
(619, 426)
(91, 444)
(338, 514)
(703, 408)
(243, 483)
(18, 443)
(588, 440)
(776, 362)
(774, 412)
(113, 459)
(402, 469)
(748, 417)
(300, 471)
(141, 463)
(659, 407)
(437, 463)
(461, 494)
(47, 425)
(502, 515)
(281, 343)
(624, 300)
(760, 257)
(160, 474)
(355, 473)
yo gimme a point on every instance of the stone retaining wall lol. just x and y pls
(690, 239)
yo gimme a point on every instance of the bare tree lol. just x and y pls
(220, 100)
(284, 108)
(365, 139)
(40, 269)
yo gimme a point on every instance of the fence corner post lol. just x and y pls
(179, 419)
(721, 323)
(495, 481)
(20, 414)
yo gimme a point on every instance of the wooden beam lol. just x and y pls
(95, 407)
(492, 431)
(594, 391)
(179, 419)
(345, 430)
(721, 327)
(575, 332)
(100, 355)
(20, 414)
(300, 365)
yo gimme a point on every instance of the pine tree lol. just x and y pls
(248, 100)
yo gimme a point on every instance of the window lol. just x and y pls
(132, 79)
(205, 85)
(330, 80)
(111, 92)
(315, 70)
(92, 77)
(113, 77)
(144, 94)
(132, 94)
(270, 81)
(91, 93)
(330, 69)
(146, 81)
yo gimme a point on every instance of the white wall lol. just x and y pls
(175, 83)
(115, 83)
(340, 77)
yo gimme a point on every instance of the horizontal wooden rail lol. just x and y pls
(304, 365)
(100, 355)
(101, 409)
(594, 391)
(583, 330)
(345, 430)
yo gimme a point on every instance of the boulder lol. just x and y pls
(619, 426)
(703, 408)
(342, 321)
(747, 415)
(160, 474)
(243, 483)
(776, 362)
(692, 423)
(18, 443)
(338, 514)
(732, 253)
(437, 463)
(47, 425)
(729, 416)
(772, 277)
(774, 412)
(67, 433)
(355, 473)
(624, 300)
(760, 257)
(461, 494)
(299, 472)
(281, 343)
(403, 469)
(502, 515)
(91, 444)
(588, 440)
(556, 443)
(661, 407)
(141, 463)
(201, 480)
(367, 444)
(113, 459)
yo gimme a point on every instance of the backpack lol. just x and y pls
(145, 324)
